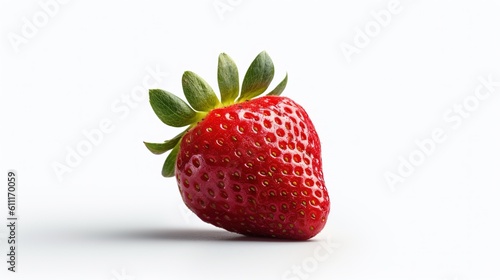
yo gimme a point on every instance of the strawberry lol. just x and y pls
(248, 165)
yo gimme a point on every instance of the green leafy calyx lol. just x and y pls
(201, 99)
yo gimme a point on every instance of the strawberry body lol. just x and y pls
(255, 168)
(246, 164)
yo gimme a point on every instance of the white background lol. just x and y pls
(114, 217)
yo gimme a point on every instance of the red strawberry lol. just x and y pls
(251, 166)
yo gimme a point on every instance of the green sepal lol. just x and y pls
(168, 169)
(258, 77)
(228, 79)
(160, 148)
(198, 92)
(170, 109)
(201, 98)
(280, 87)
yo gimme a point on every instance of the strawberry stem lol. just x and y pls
(175, 112)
